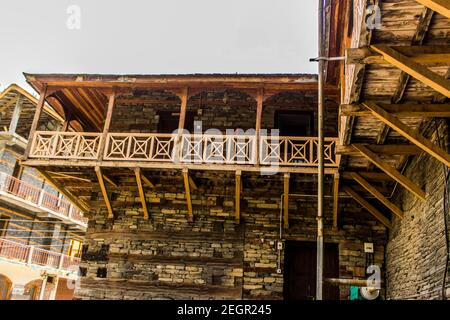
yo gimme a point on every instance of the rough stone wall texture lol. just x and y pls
(416, 251)
(167, 257)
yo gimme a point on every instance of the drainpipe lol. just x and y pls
(320, 191)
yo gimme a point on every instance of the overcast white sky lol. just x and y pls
(157, 36)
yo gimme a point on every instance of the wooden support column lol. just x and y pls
(411, 135)
(137, 172)
(441, 6)
(187, 189)
(37, 116)
(372, 210)
(414, 69)
(335, 201)
(98, 172)
(238, 197)
(392, 172)
(373, 191)
(16, 115)
(183, 109)
(259, 110)
(109, 114)
(286, 201)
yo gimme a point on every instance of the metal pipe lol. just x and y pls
(320, 193)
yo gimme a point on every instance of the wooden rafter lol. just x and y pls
(62, 190)
(286, 200)
(388, 149)
(400, 110)
(392, 172)
(372, 210)
(375, 176)
(414, 69)
(61, 175)
(441, 6)
(98, 172)
(187, 190)
(412, 135)
(137, 173)
(335, 201)
(377, 194)
(238, 197)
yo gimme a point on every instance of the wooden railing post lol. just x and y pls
(30, 255)
(36, 118)
(109, 114)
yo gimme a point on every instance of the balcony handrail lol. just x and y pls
(40, 197)
(28, 254)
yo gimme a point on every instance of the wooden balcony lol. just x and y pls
(225, 152)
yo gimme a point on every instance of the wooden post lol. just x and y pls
(137, 173)
(286, 201)
(98, 172)
(188, 194)
(259, 110)
(238, 197)
(335, 201)
(16, 116)
(36, 118)
(109, 114)
(181, 124)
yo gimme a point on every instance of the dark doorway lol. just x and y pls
(300, 270)
(168, 121)
(294, 123)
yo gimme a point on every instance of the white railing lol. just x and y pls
(40, 198)
(66, 145)
(193, 148)
(31, 255)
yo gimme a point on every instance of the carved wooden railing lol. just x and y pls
(186, 148)
(297, 151)
(65, 145)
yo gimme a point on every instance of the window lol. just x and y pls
(294, 123)
(75, 248)
(168, 121)
(4, 222)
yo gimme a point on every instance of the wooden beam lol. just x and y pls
(411, 135)
(98, 172)
(183, 109)
(108, 119)
(388, 149)
(259, 111)
(372, 210)
(192, 183)
(238, 197)
(374, 176)
(335, 201)
(110, 181)
(400, 110)
(62, 190)
(392, 172)
(286, 201)
(414, 69)
(137, 173)
(61, 175)
(36, 118)
(377, 194)
(187, 190)
(16, 115)
(147, 181)
(440, 6)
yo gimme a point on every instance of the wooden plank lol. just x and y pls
(411, 135)
(36, 118)
(387, 149)
(109, 114)
(414, 69)
(335, 201)
(441, 6)
(286, 201)
(187, 190)
(238, 197)
(137, 173)
(377, 194)
(400, 110)
(372, 210)
(98, 172)
(16, 115)
(392, 172)
(62, 190)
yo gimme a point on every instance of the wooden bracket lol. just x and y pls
(238, 197)
(286, 200)
(187, 190)
(137, 172)
(98, 172)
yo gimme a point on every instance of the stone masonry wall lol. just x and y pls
(416, 252)
(167, 257)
